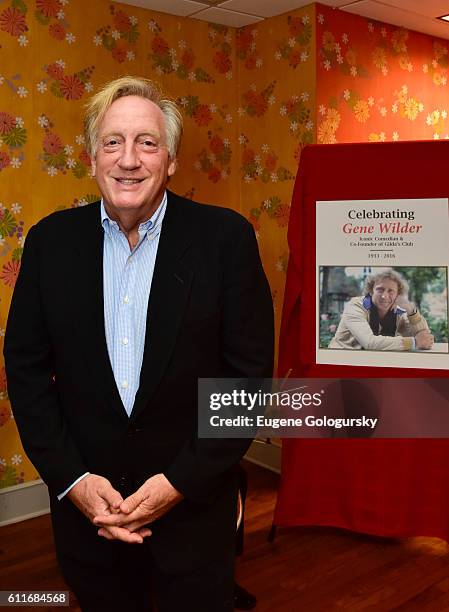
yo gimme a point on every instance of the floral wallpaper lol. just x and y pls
(252, 98)
(276, 83)
(53, 55)
(378, 82)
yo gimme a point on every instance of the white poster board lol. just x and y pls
(356, 241)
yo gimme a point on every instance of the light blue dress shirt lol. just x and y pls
(127, 278)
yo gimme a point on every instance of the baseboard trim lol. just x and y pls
(23, 501)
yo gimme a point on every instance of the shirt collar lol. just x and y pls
(368, 304)
(147, 226)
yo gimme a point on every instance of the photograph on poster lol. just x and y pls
(381, 283)
(384, 309)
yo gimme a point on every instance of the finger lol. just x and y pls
(110, 495)
(144, 532)
(136, 526)
(119, 518)
(107, 534)
(118, 533)
(104, 533)
(133, 501)
(111, 520)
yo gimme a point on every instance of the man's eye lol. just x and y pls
(150, 144)
(111, 142)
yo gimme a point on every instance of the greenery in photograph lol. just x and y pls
(427, 290)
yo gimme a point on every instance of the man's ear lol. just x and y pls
(93, 165)
(172, 167)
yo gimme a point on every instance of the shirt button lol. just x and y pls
(124, 384)
(126, 299)
(125, 340)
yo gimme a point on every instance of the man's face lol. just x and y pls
(384, 295)
(132, 163)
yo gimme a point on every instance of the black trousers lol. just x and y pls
(186, 565)
(135, 584)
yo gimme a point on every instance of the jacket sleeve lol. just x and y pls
(247, 343)
(410, 325)
(30, 378)
(358, 326)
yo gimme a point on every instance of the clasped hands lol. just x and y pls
(124, 519)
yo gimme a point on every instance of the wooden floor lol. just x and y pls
(304, 570)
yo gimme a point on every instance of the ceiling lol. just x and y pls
(420, 15)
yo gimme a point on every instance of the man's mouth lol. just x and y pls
(127, 181)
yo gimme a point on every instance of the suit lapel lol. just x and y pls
(169, 291)
(90, 321)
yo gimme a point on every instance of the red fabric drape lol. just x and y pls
(386, 487)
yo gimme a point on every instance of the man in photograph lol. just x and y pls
(119, 308)
(382, 319)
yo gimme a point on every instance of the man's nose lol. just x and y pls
(130, 157)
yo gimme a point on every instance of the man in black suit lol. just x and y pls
(119, 308)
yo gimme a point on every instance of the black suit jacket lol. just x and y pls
(209, 315)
